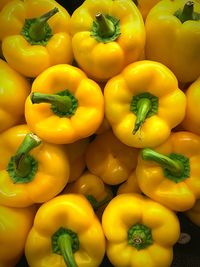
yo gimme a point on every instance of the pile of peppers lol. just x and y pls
(99, 131)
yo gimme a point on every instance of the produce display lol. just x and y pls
(99, 132)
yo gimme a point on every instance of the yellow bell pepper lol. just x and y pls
(194, 213)
(143, 103)
(35, 35)
(130, 185)
(170, 173)
(93, 188)
(106, 36)
(14, 91)
(191, 121)
(139, 232)
(145, 6)
(76, 156)
(15, 225)
(30, 171)
(110, 159)
(66, 232)
(173, 37)
(64, 105)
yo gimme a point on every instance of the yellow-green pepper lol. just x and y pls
(173, 37)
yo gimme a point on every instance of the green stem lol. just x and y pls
(175, 167)
(65, 246)
(22, 164)
(187, 13)
(62, 103)
(106, 28)
(97, 204)
(37, 30)
(139, 236)
(143, 106)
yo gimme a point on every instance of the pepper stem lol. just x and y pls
(139, 236)
(62, 103)
(65, 246)
(143, 107)
(97, 204)
(187, 13)
(23, 165)
(106, 28)
(175, 167)
(37, 30)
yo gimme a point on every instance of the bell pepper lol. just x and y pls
(110, 159)
(143, 103)
(130, 185)
(93, 188)
(145, 6)
(30, 171)
(14, 91)
(139, 232)
(106, 36)
(194, 213)
(191, 120)
(170, 173)
(14, 228)
(72, 235)
(76, 156)
(64, 105)
(173, 37)
(35, 35)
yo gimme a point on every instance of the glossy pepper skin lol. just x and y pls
(15, 224)
(174, 39)
(76, 156)
(93, 188)
(143, 103)
(14, 91)
(194, 213)
(64, 105)
(130, 185)
(191, 120)
(34, 174)
(31, 48)
(110, 159)
(71, 225)
(139, 232)
(106, 36)
(170, 173)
